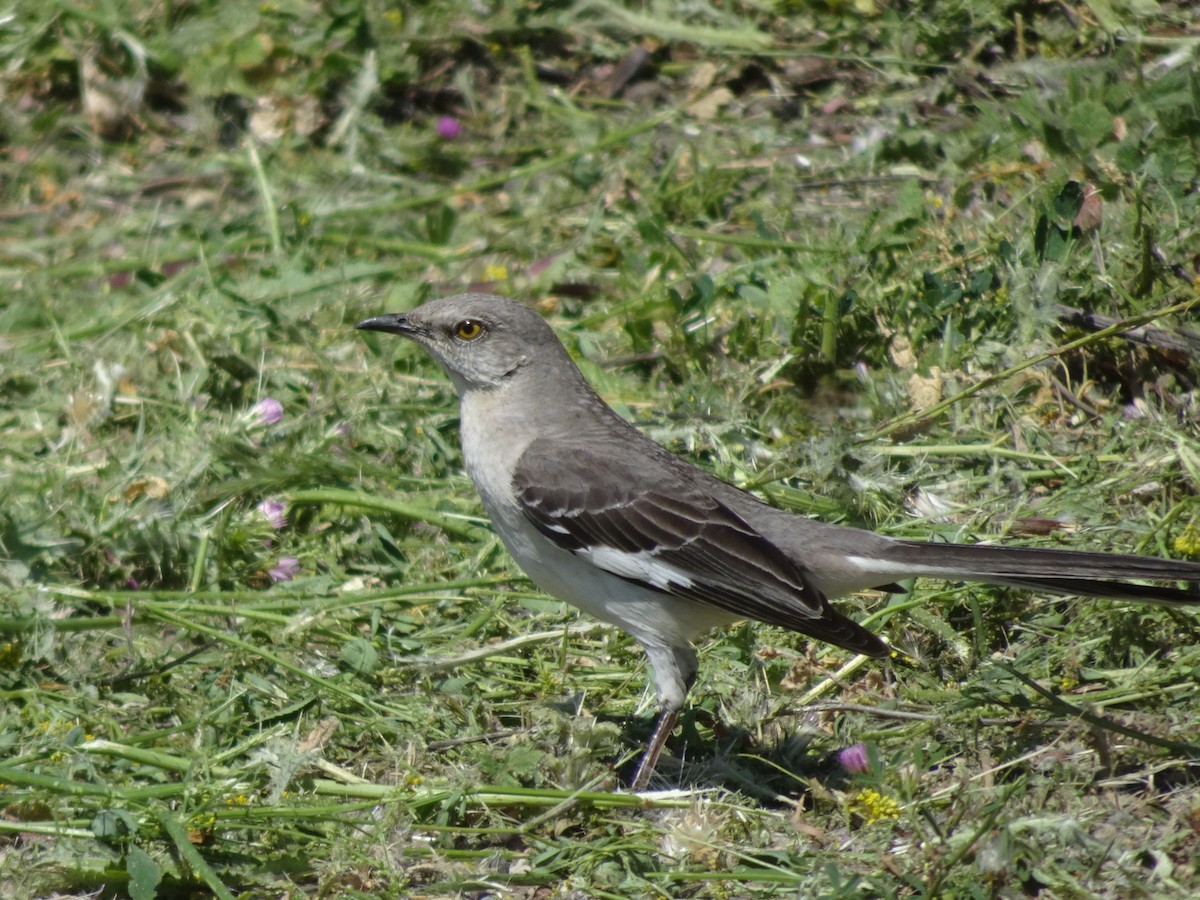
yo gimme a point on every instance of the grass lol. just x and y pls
(258, 639)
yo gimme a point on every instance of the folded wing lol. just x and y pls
(646, 521)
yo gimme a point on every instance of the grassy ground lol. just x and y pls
(257, 638)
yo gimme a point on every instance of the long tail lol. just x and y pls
(1109, 575)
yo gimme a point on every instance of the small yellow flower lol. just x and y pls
(872, 806)
(493, 272)
(1188, 543)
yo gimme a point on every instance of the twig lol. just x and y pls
(471, 656)
(1180, 341)
(877, 711)
(1066, 394)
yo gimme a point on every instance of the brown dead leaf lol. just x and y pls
(1032, 525)
(154, 487)
(700, 79)
(710, 104)
(803, 71)
(924, 392)
(901, 352)
(316, 738)
(1091, 211)
(636, 63)
(812, 832)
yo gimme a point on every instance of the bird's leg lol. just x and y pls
(674, 671)
(662, 730)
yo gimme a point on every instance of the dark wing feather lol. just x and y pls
(584, 500)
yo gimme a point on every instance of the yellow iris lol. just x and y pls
(468, 330)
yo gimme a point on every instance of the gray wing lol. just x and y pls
(650, 520)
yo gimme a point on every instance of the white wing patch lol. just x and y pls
(642, 566)
(887, 569)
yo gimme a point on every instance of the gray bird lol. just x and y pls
(600, 516)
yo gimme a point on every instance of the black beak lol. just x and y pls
(392, 323)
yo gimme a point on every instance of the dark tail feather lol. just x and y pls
(1112, 590)
(1061, 571)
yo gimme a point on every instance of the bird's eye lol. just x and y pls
(468, 330)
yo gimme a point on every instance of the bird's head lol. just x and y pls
(481, 340)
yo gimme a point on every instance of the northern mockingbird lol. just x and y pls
(600, 516)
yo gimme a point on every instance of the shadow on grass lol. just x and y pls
(787, 772)
(778, 773)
